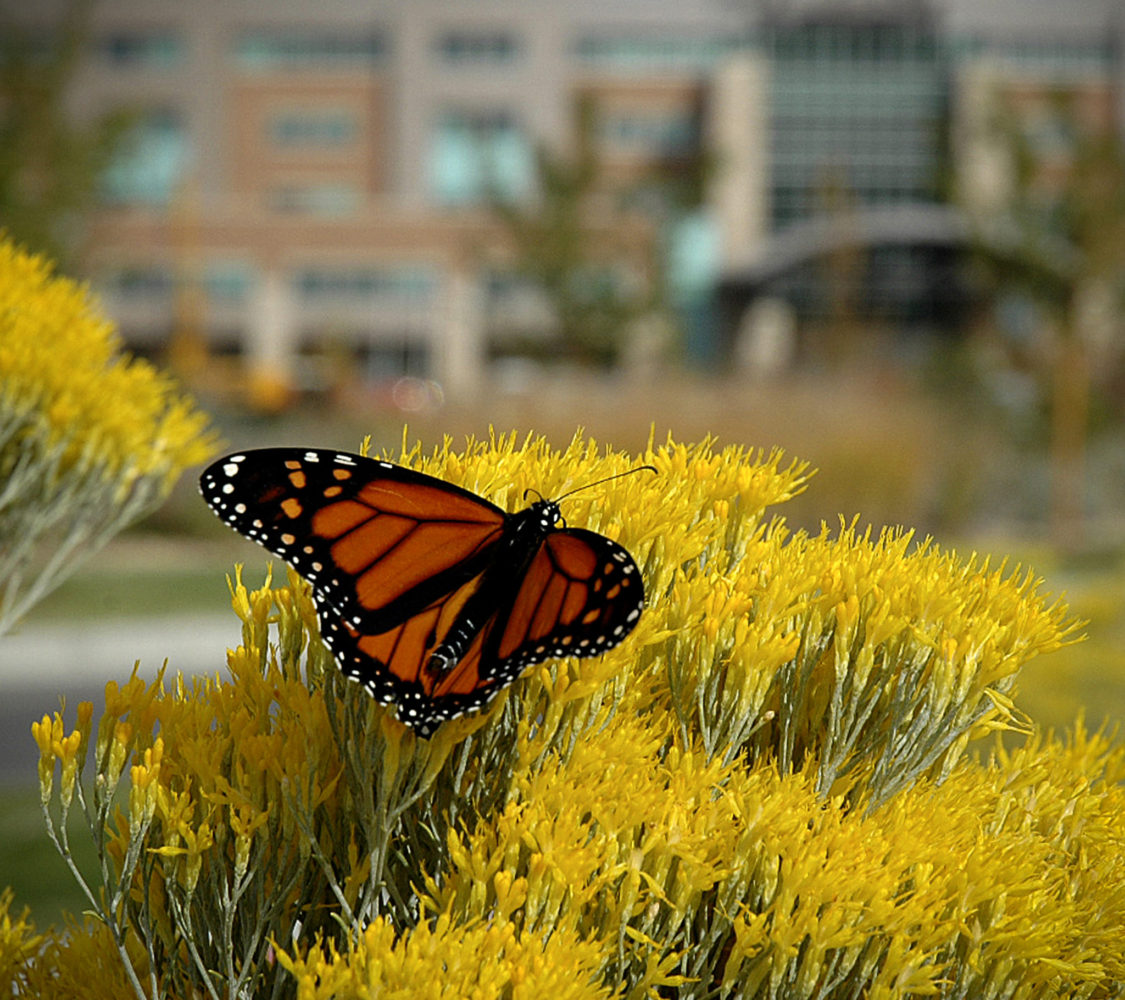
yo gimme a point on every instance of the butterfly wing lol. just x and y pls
(580, 595)
(392, 665)
(378, 542)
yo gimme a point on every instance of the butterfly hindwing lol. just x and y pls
(581, 595)
(377, 541)
(393, 666)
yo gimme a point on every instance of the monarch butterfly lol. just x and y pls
(430, 596)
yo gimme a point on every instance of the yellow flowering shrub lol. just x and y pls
(19, 944)
(80, 962)
(90, 438)
(763, 792)
(483, 961)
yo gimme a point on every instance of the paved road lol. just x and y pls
(38, 664)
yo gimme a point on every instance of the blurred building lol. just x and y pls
(312, 181)
(873, 151)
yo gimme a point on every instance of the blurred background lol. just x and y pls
(887, 236)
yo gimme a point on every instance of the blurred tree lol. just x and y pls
(1057, 238)
(580, 253)
(49, 165)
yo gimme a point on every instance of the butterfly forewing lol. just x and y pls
(377, 541)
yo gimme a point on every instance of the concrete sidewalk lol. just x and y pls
(54, 655)
(39, 663)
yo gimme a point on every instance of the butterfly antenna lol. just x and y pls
(598, 482)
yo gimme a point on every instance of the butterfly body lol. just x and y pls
(429, 595)
(524, 532)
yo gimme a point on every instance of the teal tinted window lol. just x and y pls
(694, 254)
(402, 284)
(151, 163)
(328, 199)
(156, 50)
(224, 282)
(857, 113)
(1046, 55)
(261, 52)
(228, 283)
(312, 128)
(652, 133)
(476, 47)
(647, 53)
(477, 155)
(139, 283)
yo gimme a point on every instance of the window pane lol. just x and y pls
(152, 162)
(262, 52)
(315, 199)
(510, 164)
(152, 283)
(652, 133)
(477, 47)
(408, 283)
(157, 50)
(475, 154)
(654, 53)
(455, 169)
(228, 282)
(313, 127)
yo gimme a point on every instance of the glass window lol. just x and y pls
(228, 282)
(654, 133)
(477, 47)
(328, 198)
(267, 52)
(655, 53)
(225, 281)
(1059, 56)
(475, 155)
(151, 163)
(154, 49)
(139, 283)
(313, 127)
(693, 254)
(407, 283)
(867, 120)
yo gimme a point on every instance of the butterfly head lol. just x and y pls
(546, 514)
(543, 515)
(549, 513)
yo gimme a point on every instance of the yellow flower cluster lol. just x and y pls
(68, 749)
(880, 656)
(90, 438)
(62, 371)
(19, 945)
(986, 880)
(486, 962)
(762, 792)
(78, 961)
